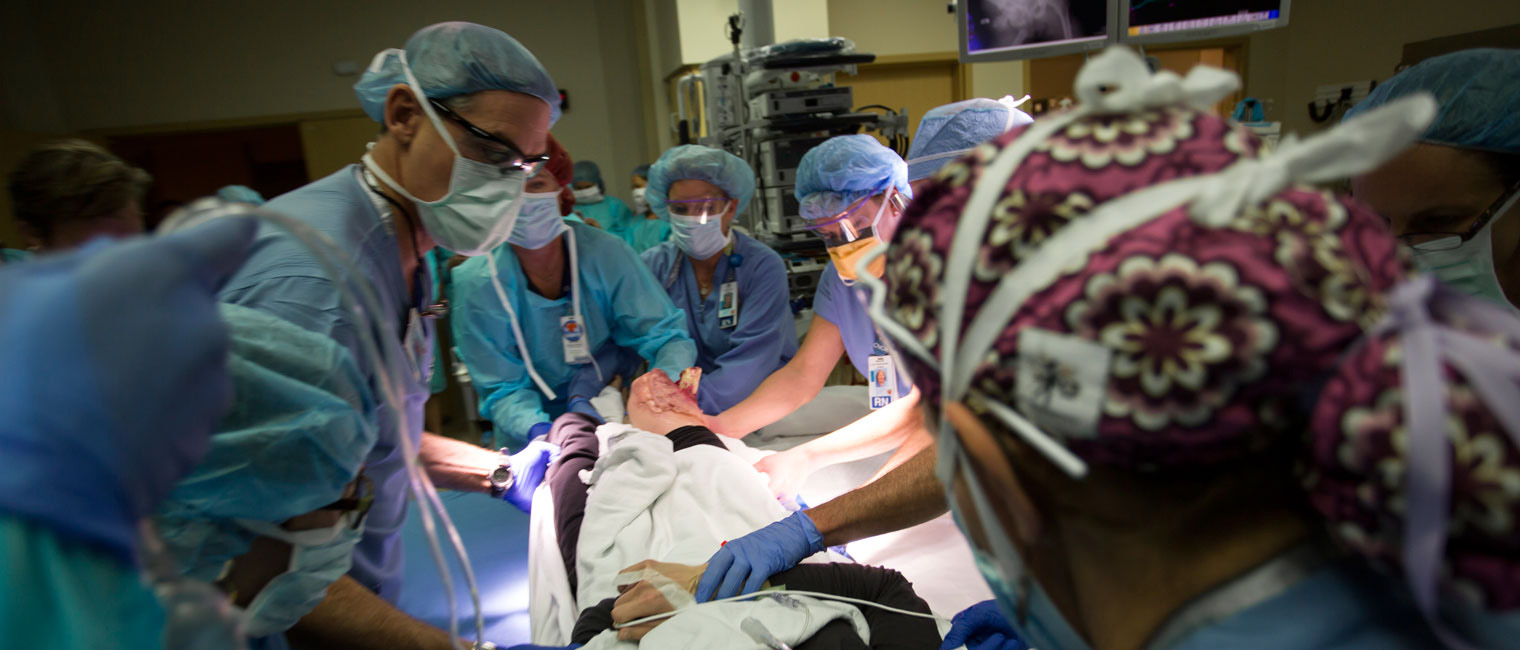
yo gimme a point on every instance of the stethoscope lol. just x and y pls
(438, 309)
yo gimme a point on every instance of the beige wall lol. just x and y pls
(1335, 41)
(895, 27)
(160, 62)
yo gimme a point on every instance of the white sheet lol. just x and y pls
(551, 605)
(717, 626)
(648, 502)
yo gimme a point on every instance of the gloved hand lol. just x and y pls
(114, 374)
(743, 565)
(982, 627)
(539, 430)
(572, 646)
(583, 406)
(528, 469)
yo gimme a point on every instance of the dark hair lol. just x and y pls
(72, 180)
(1504, 165)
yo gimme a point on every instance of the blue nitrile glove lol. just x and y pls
(528, 469)
(583, 406)
(743, 565)
(572, 646)
(982, 627)
(114, 372)
(539, 430)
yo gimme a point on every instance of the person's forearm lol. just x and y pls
(785, 391)
(353, 618)
(457, 465)
(905, 497)
(881, 431)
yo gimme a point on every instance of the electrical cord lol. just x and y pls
(791, 592)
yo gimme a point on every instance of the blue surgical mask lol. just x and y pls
(1021, 600)
(539, 222)
(318, 558)
(1469, 268)
(699, 240)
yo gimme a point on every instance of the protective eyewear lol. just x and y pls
(698, 209)
(511, 159)
(850, 225)
(356, 507)
(1445, 241)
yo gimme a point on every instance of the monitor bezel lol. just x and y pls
(1026, 52)
(1200, 34)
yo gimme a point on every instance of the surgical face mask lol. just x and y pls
(591, 194)
(697, 239)
(1469, 266)
(540, 221)
(318, 558)
(479, 210)
(1020, 599)
(849, 242)
(640, 203)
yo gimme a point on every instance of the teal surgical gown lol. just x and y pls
(611, 212)
(9, 255)
(644, 233)
(282, 278)
(733, 360)
(623, 305)
(62, 594)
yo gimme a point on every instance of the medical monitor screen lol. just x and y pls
(1150, 21)
(1022, 29)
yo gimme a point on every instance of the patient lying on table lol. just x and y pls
(676, 503)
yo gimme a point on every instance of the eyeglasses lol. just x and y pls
(356, 507)
(1445, 241)
(850, 224)
(698, 208)
(511, 159)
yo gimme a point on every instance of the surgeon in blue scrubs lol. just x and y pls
(733, 289)
(465, 112)
(547, 321)
(594, 206)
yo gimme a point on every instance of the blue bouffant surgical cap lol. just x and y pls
(297, 434)
(1479, 94)
(586, 170)
(696, 162)
(457, 58)
(240, 194)
(948, 131)
(843, 169)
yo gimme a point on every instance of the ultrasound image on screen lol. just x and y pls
(997, 24)
(1153, 12)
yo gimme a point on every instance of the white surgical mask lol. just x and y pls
(540, 221)
(699, 240)
(640, 203)
(591, 194)
(318, 558)
(481, 206)
(1469, 268)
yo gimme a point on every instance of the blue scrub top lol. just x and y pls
(9, 255)
(846, 309)
(284, 279)
(733, 361)
(612, 213)
(1342, 605)
(625, 310)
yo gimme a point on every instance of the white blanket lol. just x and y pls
(648, 502)
(719, 626)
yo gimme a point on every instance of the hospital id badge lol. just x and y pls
(882, 377)
(728, 305)
(573, 336)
